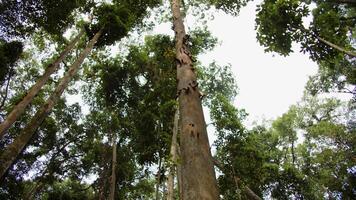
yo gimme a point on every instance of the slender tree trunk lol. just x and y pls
(293, 154)
(350, 53)
(251, 195)
(14, 149)
(113, 170)
(179, 175)
(36, 189)
(198, 175)
(173, 152)
(350, 2)
(102, 182)
(158, 178)
(33, 91)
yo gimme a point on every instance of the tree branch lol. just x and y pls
(350, 53)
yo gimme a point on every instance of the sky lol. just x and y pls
(268, 83)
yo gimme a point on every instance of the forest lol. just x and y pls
(95, 105)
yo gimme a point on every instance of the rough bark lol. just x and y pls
(11, 152)
(33, 91)
(113, 169)
(198, 175)
(173, 152)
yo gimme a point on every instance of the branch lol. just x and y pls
(350, 2)
(4, 97)
(252, 195)
(350, 53)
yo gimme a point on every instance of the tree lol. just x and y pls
(119, 20)
(198, 175)
(21, 106)
(9, 54)
(328, 40)
(21, 18)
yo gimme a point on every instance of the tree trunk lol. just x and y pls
(179, 175)
(158, 177)
(237, 180)
(14, 149)
(34, 190)
(198, 175)
(113, 169)
(350, 2)
(173, 152)
(293, 154)
(33, 91)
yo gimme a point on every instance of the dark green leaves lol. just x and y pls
(279, 23)
(9, 54)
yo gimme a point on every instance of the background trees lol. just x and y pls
(122, 129)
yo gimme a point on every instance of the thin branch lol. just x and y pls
(350, 53)
(4, 97)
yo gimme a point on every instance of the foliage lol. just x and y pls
(20, 18)
(280, 23)
(9, 54)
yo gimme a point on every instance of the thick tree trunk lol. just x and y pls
(14, 149)
(198, 175)
(173, 152)
(113, 169)
(33, 91)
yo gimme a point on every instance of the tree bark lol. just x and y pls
(198, 175)
(14, 149)
(173, 152)
(33, 91)
(113, 169)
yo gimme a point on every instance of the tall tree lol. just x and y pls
(33, 91)
(14, 149)
(328, 39)
(198, 175)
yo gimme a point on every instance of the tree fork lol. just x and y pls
(11, 152)
(33, 91)
(198, 175)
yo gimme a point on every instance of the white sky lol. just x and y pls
(268, 83)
